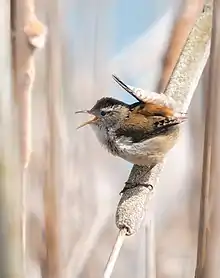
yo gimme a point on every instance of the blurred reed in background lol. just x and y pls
(71, 183)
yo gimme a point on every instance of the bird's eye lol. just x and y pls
(102, 113)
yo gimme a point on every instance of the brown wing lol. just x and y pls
(151, 109)
(139, 127)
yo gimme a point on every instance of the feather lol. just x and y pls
(142, 128)
(151, 109)
(126, 88)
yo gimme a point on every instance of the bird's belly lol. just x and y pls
(139, 156)
(146, 152)
(141, 153)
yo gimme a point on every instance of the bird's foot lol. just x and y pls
(130, 185)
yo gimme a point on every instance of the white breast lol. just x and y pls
(136, 153)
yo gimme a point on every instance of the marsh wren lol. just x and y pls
(141, 133)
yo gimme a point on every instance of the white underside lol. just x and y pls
(137, 153)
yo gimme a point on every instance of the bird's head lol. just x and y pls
(107, 113)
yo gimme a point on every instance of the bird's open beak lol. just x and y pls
(88, 122)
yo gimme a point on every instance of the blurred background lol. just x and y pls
(87, 41)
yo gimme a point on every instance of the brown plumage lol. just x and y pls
(152, 109)
(144, 107)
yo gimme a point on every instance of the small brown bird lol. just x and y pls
(141, 133)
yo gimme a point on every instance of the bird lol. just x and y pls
(140, 133)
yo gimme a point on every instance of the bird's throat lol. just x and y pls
(107, 139)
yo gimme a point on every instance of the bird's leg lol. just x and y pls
(130, 185)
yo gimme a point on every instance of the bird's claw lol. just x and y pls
(130, 185)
